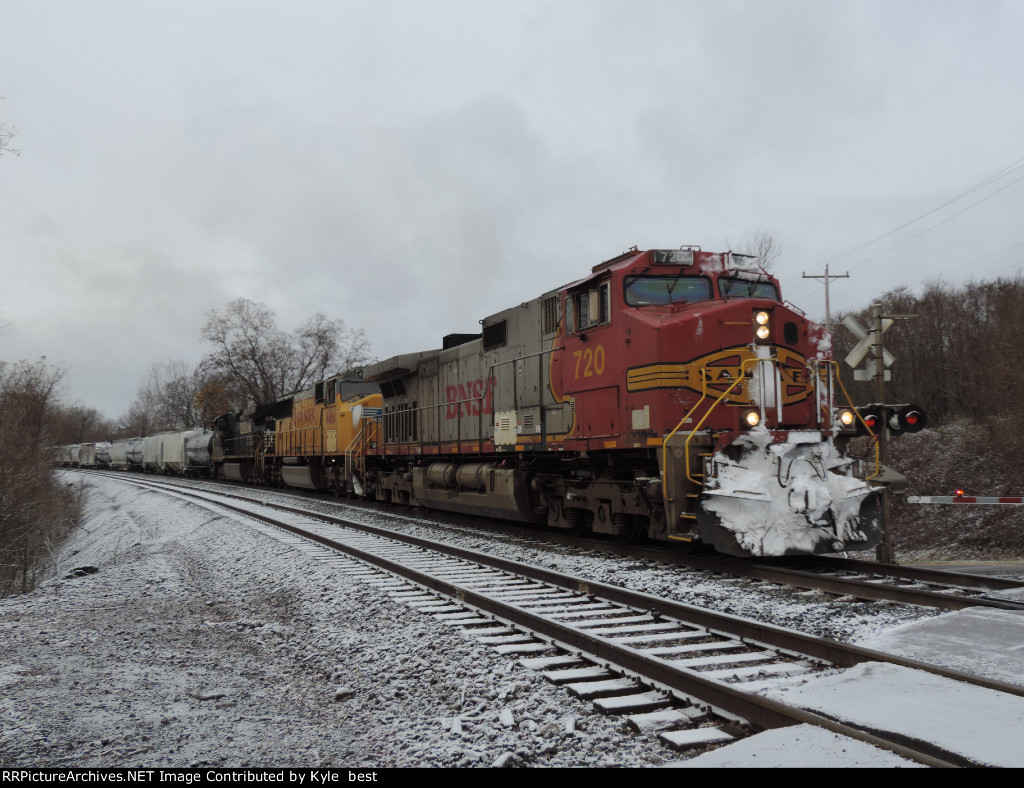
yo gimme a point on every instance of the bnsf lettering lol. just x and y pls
(469, 399)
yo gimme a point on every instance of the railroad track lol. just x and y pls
(863, 580)
(684, 673)
(873, 582)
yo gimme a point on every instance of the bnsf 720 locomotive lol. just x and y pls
(669, 393)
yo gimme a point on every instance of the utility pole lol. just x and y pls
(828, 278)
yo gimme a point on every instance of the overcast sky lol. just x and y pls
(411, 167)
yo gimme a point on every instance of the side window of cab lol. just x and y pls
(590, 308)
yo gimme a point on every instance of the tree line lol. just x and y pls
(36, 511)
(961, 359)
(249, 361)
(961, 355)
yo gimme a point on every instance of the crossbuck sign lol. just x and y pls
(864, 347)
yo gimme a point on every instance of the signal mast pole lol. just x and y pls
(884, 553)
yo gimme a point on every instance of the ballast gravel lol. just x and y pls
(201, 641)
(173, 635)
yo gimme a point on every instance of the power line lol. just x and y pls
(937, 224)
(986, 257)
(990, 179)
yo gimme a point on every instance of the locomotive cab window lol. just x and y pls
(666, 290)
(593, 307)
(746, 288)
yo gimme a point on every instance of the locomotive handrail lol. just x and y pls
(294, 440)
(742, 376)
(748, 362)
(438, 407)
(349, 450)
(664, 444)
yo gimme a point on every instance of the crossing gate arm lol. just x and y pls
(1006, 500)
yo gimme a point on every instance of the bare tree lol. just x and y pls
(762, 246)
(167, 399)
(170, 389)
(257, 363)
(35, 511)
(28, 394)
(211, 398)
(77, 423)
(8, 133)
(139, 419)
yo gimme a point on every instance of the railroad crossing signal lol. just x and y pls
(864, 347)
(898, 418)
(876, 372)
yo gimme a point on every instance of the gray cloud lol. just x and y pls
(413, 167)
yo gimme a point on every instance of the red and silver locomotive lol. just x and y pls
(670, 393)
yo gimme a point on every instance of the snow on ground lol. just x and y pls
(204, 641)
(982, 641)
(813, 612)
(801, 746)
(978, 724)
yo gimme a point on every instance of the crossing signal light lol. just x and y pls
(872, 417)
(898, 418)
(906, 418)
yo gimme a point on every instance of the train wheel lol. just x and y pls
(630, 528)
(579, 521)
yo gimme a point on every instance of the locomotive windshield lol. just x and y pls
(746, 288)
(665, 290)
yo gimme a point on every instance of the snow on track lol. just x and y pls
(205, 642)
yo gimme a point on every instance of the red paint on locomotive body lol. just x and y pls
(671, 337)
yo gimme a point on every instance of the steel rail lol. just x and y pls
(768, 635)
(917, 573)
(809, 580)
(759, 712)
(840, 586)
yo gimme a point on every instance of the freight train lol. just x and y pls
(181, 452)
(668, 394)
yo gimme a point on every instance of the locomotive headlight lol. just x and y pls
(761, 318)
(751, 418)
(847, 418)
